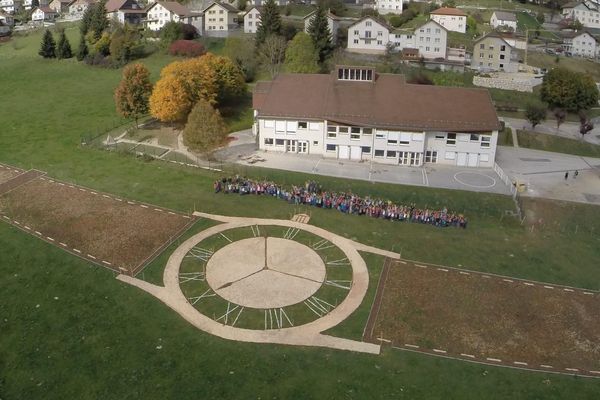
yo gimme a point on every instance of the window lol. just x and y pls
(367, 34)
(474, 138)
(366, 149)
(331, 147)
(482, 46)
(279, 142)
(269, 141)
(332, 135)
(332, 128)
(431, 156)
(302, 125)
(379, 42)
(485, 141)
(355, 130)
(501, 65)
(440, 136)
(379, 33)
(379, 153)
(503, 48)
(368, 23)
(428, 30)
(355, 136)
(367, 131)
(502, 56)
(391, 154)
(380, 136)
(355, 41)
(451, 139)
(480, 55)
(315, 142)
(279, 126)
(436, 49)
(450, 155)
(343, 129)
(356, 33)
(269, 124)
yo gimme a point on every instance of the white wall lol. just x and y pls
(251, 21)
(368, 36)
(588, 18)
(431, 40)
(217, 19)
(585, 45)
(454, 23)
(389, 6)
(495, 22)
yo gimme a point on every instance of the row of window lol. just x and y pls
(281, 142)
(482, 55)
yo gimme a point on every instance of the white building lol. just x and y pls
(78, 7)
(6, 18)
(333, 22)
(582, 44)
(252, 20)
(493, 53)
(11, 6)
(43, 14)
(371, 36)
(60, 6)
(220, 19)
(129, 11)
(586, 12)
(389, 6)
(161, 12)
(452, 19)
(502, 19)
(356, 114)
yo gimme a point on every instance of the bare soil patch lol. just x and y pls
(104, 229)
(491, 319)
(7, 173)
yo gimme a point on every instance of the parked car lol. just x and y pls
(550, 51)
(568, 54)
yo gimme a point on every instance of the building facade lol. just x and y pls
(43, 14)
(586, 12)
(60, 6)
(161, 12)
(503, 19)
(11, 6)
(452, 19)
(582, 44)
(220, 19)
(388, 6)
(333, 23)
(252, 20)
(493, 53)
(356, 114)
(78, 7)
(368, 35)
(125, 11)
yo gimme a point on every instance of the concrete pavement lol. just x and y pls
(568, 130)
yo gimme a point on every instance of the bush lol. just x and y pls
(189, 32)
(186, 48)
(99, 60)
(395, 21)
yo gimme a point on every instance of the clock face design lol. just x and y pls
(265, 277)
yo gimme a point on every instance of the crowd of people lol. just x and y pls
(312, 194)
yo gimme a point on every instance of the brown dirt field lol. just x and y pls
(112, 231)
(7, 174)
(513, 321)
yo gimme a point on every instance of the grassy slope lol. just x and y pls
(98, 340)
(557, 144)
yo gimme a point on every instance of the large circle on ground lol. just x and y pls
(475, 180)
(265, 272)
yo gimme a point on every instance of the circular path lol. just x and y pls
(475, 180)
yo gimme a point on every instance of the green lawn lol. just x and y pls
(557, 144)
(102, 339)
(505, 137)
(542, 60)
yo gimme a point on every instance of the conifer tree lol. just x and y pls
(270, 22)
(82, 50)
(99, 22)
(320, 33)
(64, 47)
(48, 48)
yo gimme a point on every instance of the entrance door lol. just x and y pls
(473, 160)
(415, 159)
(344, 152)
(355, 152)
(461, 161)
(290, 146)
(303, 147)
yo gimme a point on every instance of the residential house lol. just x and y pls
(431, 39)
(582, 44)
(515, 40)
(220, 19)
(11, 6)
(6, 18)
(368, 35)
(586, 12)
(252, 19)
(333, 22)
(493, 53)
(453, 19)
(43, 14)
(60, 6)
(4, 29)
(388, 6)
(78, 7)
(161, 12)
(354, 113)
(129, 11)
(504, 19)
(28, 4)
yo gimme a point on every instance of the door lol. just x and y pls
(355, 152)
(344, 152)
(290, 146)
(461, 160)
(473, 160)
(415, 159)
(303, 147)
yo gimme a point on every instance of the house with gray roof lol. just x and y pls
(503, 19)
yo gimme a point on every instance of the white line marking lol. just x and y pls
(185, 216)
(572, 369)
(5, 217)
(118, 199)
(82, 189)
(494, 359)
(39, 233)
(91, 256)
(414, 346)
(93, 192)
(106, 262)
(508, 280)
(442, 269)
(467, 355)
(595, 372)
(519, 363)
(528, 284)
(588, 293)
(61, 184)
(108, 197)
(568, 290)
(485, 276)
(439, 351)
(26, 227)
(49, 238)
(16, 222)
(130, 202)
(158, 209)
(421, 266)
(77, 251)
(62, 244)
(171, 212)
(549, 287)
(143, 206)
(546, 366)
(463, 273)
(384, 340)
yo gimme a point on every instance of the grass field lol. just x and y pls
(94, 337)
(542, 60)
(557, 144)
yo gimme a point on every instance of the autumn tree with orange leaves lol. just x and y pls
(133, 92)
(214, 79)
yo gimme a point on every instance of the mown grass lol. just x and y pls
(102, 339)
(557, 144)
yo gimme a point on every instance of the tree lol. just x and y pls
(86, 20)
(102, 45)
(48, 48)
(541, 18)
(535, 113)
(585, 124)
(122, 44)
(169, 33)
(205, 129)
(449, 3)
(471, 25)
(572, 91)
(99, 23)
(242, 4)
(301, 55)
(242, 52)
(272, 53)
(35, 3)
(229, 77)
(64, 47)
(82, 50)
(318, 29)
(560, 116)
(170, 100)
(133, 93)
(270, 22)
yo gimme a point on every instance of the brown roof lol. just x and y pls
(46, 9)
(174, 7)
(388, 102)
(449, 11)
(226, 6)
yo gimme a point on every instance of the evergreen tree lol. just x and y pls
(318, 29)
(48, 49)
(82, 50)
(99, 23)
(270, 22)
(35, 3)
(64, 47)
(86, 20)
